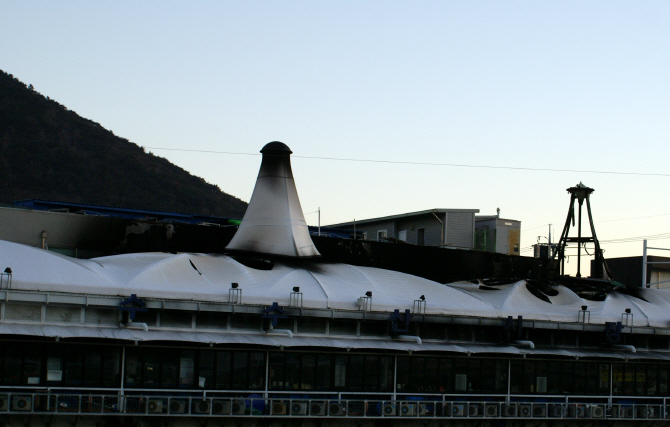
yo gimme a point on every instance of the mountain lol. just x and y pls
(49, 152)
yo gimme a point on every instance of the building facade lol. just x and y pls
(495, 234)
(454, 228)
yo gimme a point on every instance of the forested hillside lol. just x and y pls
(49, 152)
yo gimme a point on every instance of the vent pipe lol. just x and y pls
(274, 223)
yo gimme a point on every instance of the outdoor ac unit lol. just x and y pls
(279, 407)
(490, 410)
(597, 411)
(540, 410)
(524, 410)
(556, 411)
(22, 403)
(155, 406)
(221, 407)
(4, 402)
(424, 409)
(388, 410)
(626, 412)
(577, 411)
(318, 409)
(177, 407)
(458, 409)
(474, 411)
(510, 410)
(336, 409)
(239, 407)
(201, 406)
(299, 408)
(446, 410)
(408, 409)
(640, 411)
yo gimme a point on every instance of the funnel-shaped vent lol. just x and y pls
(274, 223)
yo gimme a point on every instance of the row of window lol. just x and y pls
(97, 366)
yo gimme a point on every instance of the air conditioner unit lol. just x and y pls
(458, 409)
(22, 403)
(626, 411)
(239, 407)
(318, 409)
(474, 410)
(510, 410)
(279, 407)
(597, 411)
(388, 409)
(4, 402)
(201, 406)
(640, 411)
(557, 411)
(577, 411)
(540, 410)
(444, 410)
(336, 409)
(524, 410)
(490, 410)
(408, 409)
(299, 408)
(424, 409)
(155, 406)
(221, 407)
(177, 407)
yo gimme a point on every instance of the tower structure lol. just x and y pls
(579, 193)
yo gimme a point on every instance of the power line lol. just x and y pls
(399, 162)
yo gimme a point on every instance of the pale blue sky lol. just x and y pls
(561, 85)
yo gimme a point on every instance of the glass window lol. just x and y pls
(640, 379)
(604, 378)
(516, 383)
(403, 375)
(54, 367)
(460, 375)
(223, 365)
(501, 376)
(323, 372)
(432, 374)
(444, 381)
(652, 379)
(256, 371)
(92, 367)
(663, 380)
(580, 378)
(386, 369)
(151, 368)
(73, 366)
(340, 373)
(293, 371)
(32, 367)
(206, 369)
(276, 373)
(356, 373)
(474, 375)
(307, 372)
(629, 379)
(133, 367)
(488, 376)
(416, 375)
(170, 369)
(568, 378)
(111, 367)
(186, 368)
(528, 377)
(617, 379)
(240, 370)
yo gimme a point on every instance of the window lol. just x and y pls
(381, 235)
(420, 236)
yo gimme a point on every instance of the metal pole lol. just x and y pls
(579, 243)
(355, 229)
(644, 263)
(319, 221)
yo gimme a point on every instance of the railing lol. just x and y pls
(155, 405)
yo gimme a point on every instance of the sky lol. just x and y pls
(497, 88)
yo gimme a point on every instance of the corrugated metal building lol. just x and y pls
(434, 227)
(495, 234)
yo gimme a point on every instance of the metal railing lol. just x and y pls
(155, 405)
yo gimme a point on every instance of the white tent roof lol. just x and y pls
(207, 278)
